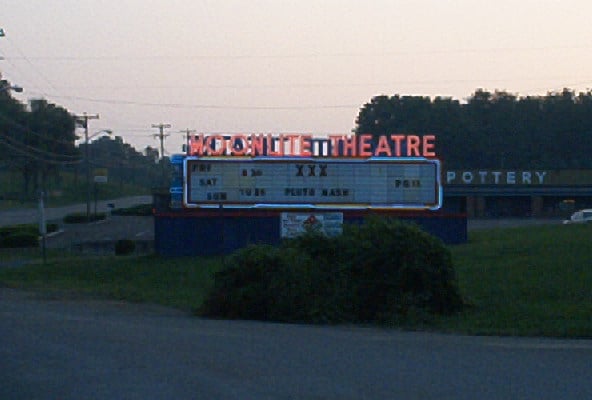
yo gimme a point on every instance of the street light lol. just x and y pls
(87, 138)
(14, 88)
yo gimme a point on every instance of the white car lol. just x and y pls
(580, 217)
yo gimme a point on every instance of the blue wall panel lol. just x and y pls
(215, 234)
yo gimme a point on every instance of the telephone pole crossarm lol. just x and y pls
(82, 120)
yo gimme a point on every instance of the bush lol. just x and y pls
(17, 229)
(124, 247)
(316, 285)
(19, 239)
(29, 229)
(141, 210)
(400, 269)
(80, 218)
(52, 227)
(241, 289)
(377, 272)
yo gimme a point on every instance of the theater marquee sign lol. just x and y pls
(312, 183)
(395, 171)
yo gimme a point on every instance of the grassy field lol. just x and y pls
(534, 281)
(177, 282)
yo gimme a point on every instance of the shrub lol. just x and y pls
(23, 235)
(52, 227)
(19, 239)
(380, 271)
(240, 288)
(141, 210)
(399, 269)
(80, 218)
(14, 229)
(317, 283)
(124, 247)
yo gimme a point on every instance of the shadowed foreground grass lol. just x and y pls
(534, 281)
(176, 282)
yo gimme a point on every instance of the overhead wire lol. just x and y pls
(14, 142)
(214, 57)
(28, 130)
(33, 67)
(119, 102)
(205, 106)
(27, 154)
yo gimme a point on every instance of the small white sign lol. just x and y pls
(296, 223)
(100, 179)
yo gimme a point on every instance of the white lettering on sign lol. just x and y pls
(467, 177)
(511, 177)
(495, 177)
(450, 176)
(541, 175)
(483, 175)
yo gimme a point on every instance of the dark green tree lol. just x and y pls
(494, 130)
(37, 141)
(51, 132)
(12, 114)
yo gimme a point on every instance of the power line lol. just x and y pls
(313, 85)
(32, 132)
(207, 106)
(214, 57)
(33, 66)
(275, 108)
(28, 154)
(29, 148)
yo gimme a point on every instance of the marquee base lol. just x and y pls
(220, 232)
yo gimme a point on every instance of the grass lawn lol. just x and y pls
(176, 282)
(534, 281)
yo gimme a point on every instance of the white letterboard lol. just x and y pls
(403, 183)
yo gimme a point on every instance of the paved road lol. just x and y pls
(83, 349)
(31, 215)
(113, 228)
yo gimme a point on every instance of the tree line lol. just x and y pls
(492, 130)
(38, 142)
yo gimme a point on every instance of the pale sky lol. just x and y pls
(279, 66)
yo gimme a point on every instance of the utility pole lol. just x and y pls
(83, 120)
(187, 133)
(161, 135)
(42, 226)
